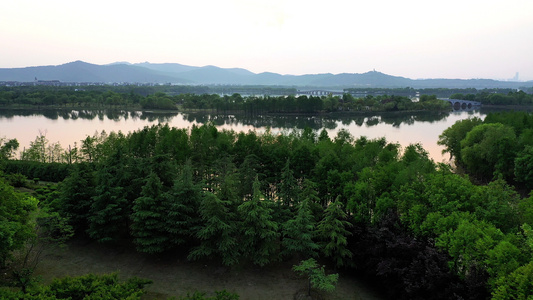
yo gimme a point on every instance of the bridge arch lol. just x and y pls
(461, 104)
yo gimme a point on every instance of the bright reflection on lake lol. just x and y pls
(69, 127)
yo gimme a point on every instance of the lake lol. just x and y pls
(68, 127)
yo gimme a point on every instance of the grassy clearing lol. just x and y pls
(175, 276)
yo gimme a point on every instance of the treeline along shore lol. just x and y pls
(258, 100)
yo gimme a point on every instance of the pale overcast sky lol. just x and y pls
(410, 38)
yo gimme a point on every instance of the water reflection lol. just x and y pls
(70, 126)
(317, 122)
(274, 121)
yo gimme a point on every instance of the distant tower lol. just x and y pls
(515, 78)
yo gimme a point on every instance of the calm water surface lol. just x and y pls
(69, 127)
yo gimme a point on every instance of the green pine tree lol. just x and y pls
(75, 196)
(298, 233)
(183, 200)
(218, 234)
(259, 231)
(110, 208)
(149, 218)
(333, 234)
(107, 218)
(288, 190)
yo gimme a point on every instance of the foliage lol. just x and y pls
(76, 196)
(203, 97)
(489, 148)
(316, 275)
(298, 233)
(451, 137)
(16, 225)
(259, 232)
(148, 218)
(86, 287)
(410, 267)
(288, 189)
(183, 199)
(332, 232)
(517, 285)
(16, 180)
(523, 166)
(53, 172)
(8, 148)
(110, 208)
(499, 145)
(218, 232)
(158, 101)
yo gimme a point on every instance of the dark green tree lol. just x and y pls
(15, 220)
(523, 167)
(7, 149)
(333, 234)
(110, 208)
(218, 233)
(517, 285)
(108, 212)
(90, 286)
(489, 148)
(76, 194)
(288, 188)
(149, 214)
(469, 244)
(259, 232)
(497, 203)
(183, 200)
(316, 276)
(298, 233)
(451, 137)
(248, 172)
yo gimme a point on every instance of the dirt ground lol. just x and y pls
(176, 276)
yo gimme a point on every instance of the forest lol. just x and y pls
(259, 100)
(45, 97)
(512, 97)
(423, 230)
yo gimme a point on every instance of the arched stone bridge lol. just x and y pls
(461, 103)
(321, 93)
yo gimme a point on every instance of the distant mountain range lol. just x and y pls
(174, 73)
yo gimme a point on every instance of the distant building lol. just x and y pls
(47, 82)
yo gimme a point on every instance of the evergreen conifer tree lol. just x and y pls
(183, 200)
(333, 234)
(259, 232)
(75, 196)
(218, 233)
(298, 233)
(288, 189)
(149, 218)
(107, 218)
(110, 209)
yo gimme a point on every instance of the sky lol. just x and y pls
(410, 38)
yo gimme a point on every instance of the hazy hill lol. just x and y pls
(167, 68)
(79, 71)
